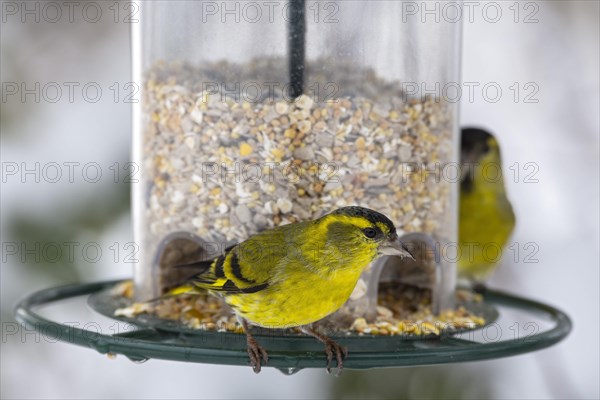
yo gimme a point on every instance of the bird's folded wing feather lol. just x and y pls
(245, 268)
(252, 265)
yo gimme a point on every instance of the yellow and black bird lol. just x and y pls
(297, 274)
(486, 217)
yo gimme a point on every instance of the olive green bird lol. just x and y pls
(486, 218)
(297, 274)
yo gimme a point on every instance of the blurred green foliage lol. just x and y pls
(66, 224)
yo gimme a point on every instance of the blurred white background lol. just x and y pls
(560, 213)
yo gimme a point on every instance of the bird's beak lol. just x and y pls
(394, 247)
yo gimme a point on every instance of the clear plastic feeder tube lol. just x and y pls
(258, 114)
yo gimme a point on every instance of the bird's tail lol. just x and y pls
(180, 282)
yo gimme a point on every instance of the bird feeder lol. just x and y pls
(253, 115)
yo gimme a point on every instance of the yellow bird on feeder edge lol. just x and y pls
(296, 274)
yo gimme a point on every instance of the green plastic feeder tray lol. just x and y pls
(534, 326)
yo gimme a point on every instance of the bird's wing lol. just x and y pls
(245, 268)
(252, 265)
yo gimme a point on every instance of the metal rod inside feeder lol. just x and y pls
(296, 47)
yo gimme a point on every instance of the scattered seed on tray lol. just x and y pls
(397, 314)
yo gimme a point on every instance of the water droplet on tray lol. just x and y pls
(137, 359)
(289, 371)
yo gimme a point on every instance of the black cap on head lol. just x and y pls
(368, 214)
(472, 138)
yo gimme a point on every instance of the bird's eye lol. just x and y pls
(370, 232)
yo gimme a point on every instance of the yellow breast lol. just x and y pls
(485, 225)
(301, 299)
